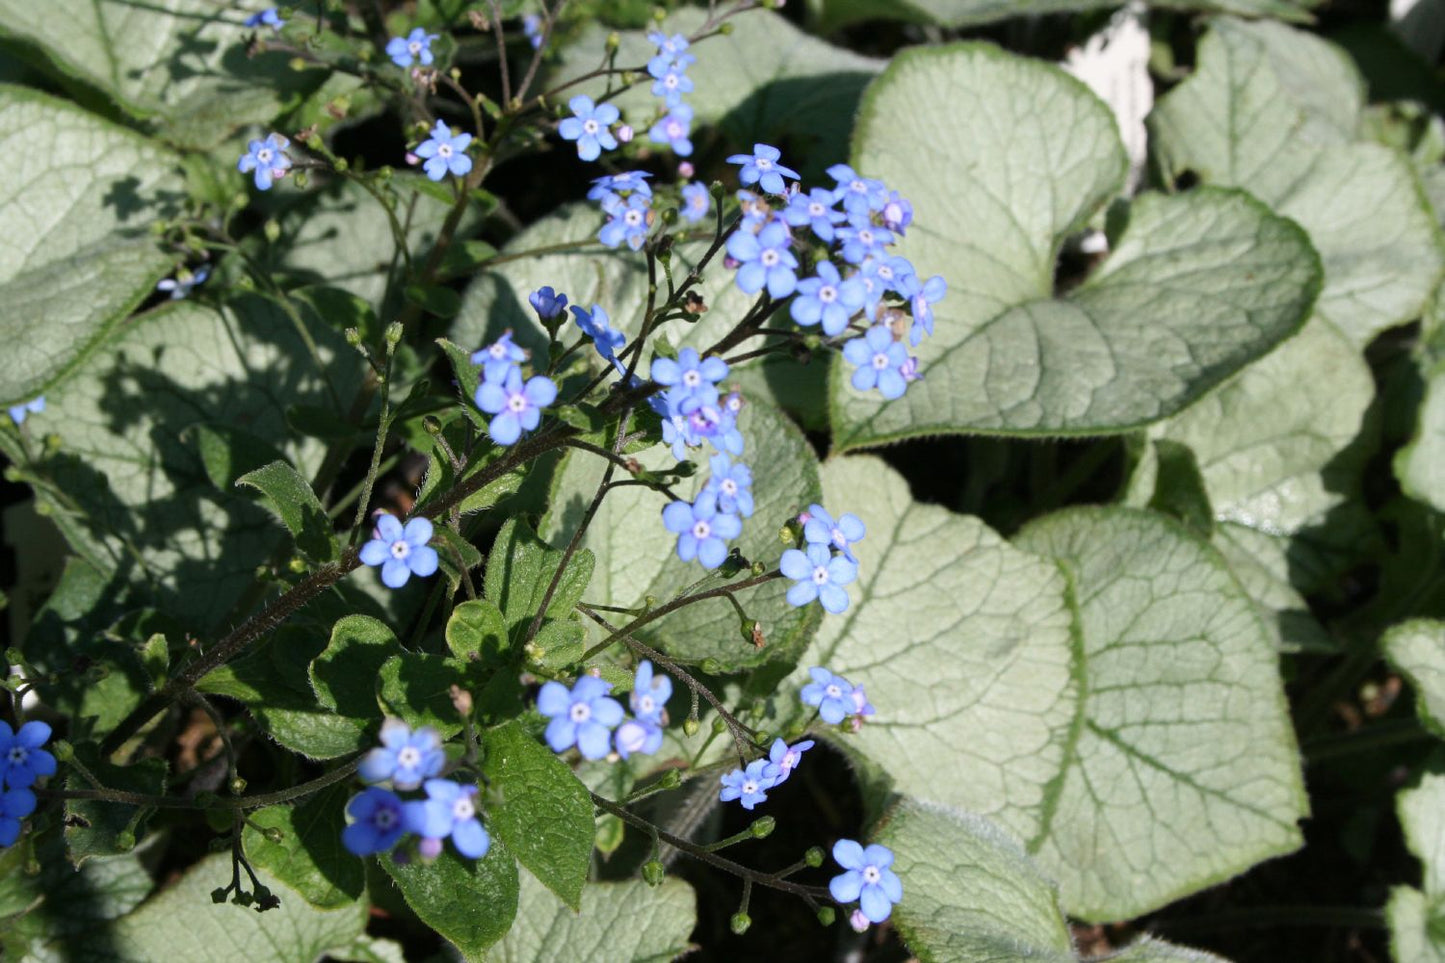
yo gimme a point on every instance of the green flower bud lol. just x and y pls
(763, 828)
(740, 921)
(690, 726)
(814, 857)
(826, 915)
(654, 872)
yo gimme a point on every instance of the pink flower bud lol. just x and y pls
(684, 170)
(624, 133)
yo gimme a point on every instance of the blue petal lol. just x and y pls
(394, 573)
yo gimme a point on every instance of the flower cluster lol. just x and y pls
(586, 715)
(515, 406)
(626, 199)
(267, 159)
(18, 413)
(414, 48)
(400, 551)
(826, 562)
(380, 817)
(22, 762)
(668, 69)
(590, 126)
(836, 698)
(445, 153)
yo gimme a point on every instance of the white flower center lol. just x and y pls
(463, 809)
(580, 712)
(517, 403)
(769, 258)
(880, 361)
(832, 691)
(729, 487)
(815, 209)
(692, 378)
(645, 704)
(633, 218)
(670, 80)
(497, 352)
(263, 156)
(827, 294)
(408, 758)
(886, 273)
(871, 875)
(590, 126)
(444, 151)
(839, 538)
(701, 530)
(820, 577)
(400, 549)
(674, 130)
(749, 787)
(762, 163)
(414, 48)
(865, 236)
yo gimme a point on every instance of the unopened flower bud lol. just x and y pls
(858, 921)
(685, 170)
(763, 828)
(273, 835)
(814, 857)
(690, 727)
(238, 786)
(670, 779)
(740, 921)
(826, 916)
(654, 872)
(624, 133)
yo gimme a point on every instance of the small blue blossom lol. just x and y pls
(670, 80)
(583, 717)
(265, 157)
(22, 760)
(15, 806)
(879, 361)
(696, 202)
(500, 357)
(820, 528)
(18, 413)
(401, 552)
(690, 374)
(598, 326)
(674, 130)
(516, 407)
(761, 167)
(450, 810)
(897, 213)
(861, 706)
(589, 127)
(861, 240)
(818, 574)
(749, 786)
(731, 484)
(814, 210)
(827, 298)
(702, 531)
(266, 18)
(757, 213)
(783, 759)
(832, 694)
(532, 29)
(868, 879)
(650, 693)
(764, 259)
(611, 186)
(377, 822)
(445, 153)
(547, 303)
(637, 735)
(181, 285)
(669, 49)
(404, 757)
(628, 222)
(860, 195)
(879, 275)
(922, 296)
(413, 48)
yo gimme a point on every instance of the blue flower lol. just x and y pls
(637, 735)
(868, 879)
(517, 408)
(650, 694)
(879, 360)
(818, 574)
(783, 759)
(609, 186)
(265, 157)
(583, 717)
(822, 529)
(669, 80)
(922, 296)
(815, 210)
(628, 222)
(589, 127)
(832, 694)
(445, 152)
(15, 806)
(182, 285)
(696, 202)
(761, 167)
(674, 130)
(377, 822)
(18, 413)
(702, 531)
(404, 757)
(731, 484)
(690, 374)
(897, 213)
(500, 357)
(861, 706)
(450, 809)
(860, 195)
(748, 786)
(22, 760)
(532, 29)
(861, 240)
(669, 49)
(828, 298)
(764, 259)
(401, 552)
(607, 339)
(547, 303)
(268, 17)
(416, 46)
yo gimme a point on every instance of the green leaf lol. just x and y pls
(228, 452)
(417, 689)
(1417, 649)
(291, 498)
(55, 915)
(1179, 487)
(1149, 950)
(1420, 464)
(832, 14)
(1277, 111)
(128, 490)
(478, 632)
(1197, 286)
(627, 922)
(638, 555)
(766, 81)
(1181, 746)
(78, 256)
(344, 674)
(1417, 919)
(544, 814)
(182, 923)
(521, 567)
(92, 825)
(982, 675)
(309, 858)
(470, 902)
(180, 63)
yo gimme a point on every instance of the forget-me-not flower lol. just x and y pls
(816, 210)
(674, 129)
(670, 80)
(832, 694)
(450, 809)
(628, 222)
(637, 735)
(532, 29)
(764, 259)
(598, 326)
(879, 361)
(731, 483)
(413, 48)
(922, 296)
(820, 528)
(818, 574)
(445, 153)
(265, 157)
(377, 822)
(696, 202)
(18, 413)
(15, 806)
(650, 693)
(827, 298)
(266, 18)
(182, 285)
(22, 760)
(702, 531)
(515, 407)
(401, 552)
(406, 758)
(583, 717)
(589, 127)
(761, 167)
(783, 759)
(868, 879)
(690, 374)
(499, 358)
(748, 786)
